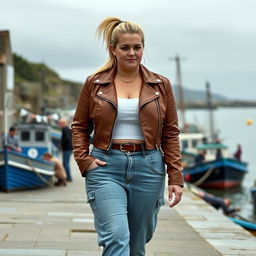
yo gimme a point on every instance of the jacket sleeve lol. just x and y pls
(81, 129)
(170, 139)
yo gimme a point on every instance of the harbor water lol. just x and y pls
(234, 127)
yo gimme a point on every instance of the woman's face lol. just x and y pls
(128, 51)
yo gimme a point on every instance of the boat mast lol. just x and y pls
(210, 108)
(181, 101)
(180, 89)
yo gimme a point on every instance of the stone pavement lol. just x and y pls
(56, 221)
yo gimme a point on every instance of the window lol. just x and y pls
(39, 136)
(25, 136)
(194, 143)
(184, 144)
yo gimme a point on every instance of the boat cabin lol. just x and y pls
(213, 150)
(34, 140)
(191, 135)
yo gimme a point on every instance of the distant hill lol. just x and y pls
(37, 86)
(192, 95)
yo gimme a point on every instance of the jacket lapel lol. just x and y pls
(107, 90)
(148, 91)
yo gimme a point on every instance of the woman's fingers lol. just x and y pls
(95, 164)
(99, 162)
(175, 194)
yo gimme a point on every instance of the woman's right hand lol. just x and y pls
(95, 164)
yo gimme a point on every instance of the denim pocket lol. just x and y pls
(90, 196)
(98, 154)
(156, 163)
(91, 199)
(92, 169)
(160, 202)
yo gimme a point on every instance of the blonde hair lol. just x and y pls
(110, 29)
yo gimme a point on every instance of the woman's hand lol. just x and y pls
(95, 164)
(175, 194)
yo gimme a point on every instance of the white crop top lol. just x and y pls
(127, 125)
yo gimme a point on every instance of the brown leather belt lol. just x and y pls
(125, 147)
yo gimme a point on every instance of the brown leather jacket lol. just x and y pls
(97, 110)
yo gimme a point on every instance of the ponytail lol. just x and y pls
(109, 29)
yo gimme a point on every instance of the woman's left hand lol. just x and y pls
(176, 192)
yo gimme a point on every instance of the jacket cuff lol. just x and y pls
(84, 164)
(175, 178)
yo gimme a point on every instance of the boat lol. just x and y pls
(244, 223)
(191, 135)
(19, 172)
(219, 173)
(27, 169)
(236, 218)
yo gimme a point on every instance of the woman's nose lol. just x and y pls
(131, 52)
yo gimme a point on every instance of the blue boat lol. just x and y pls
(19, 171)
(36, 139)
(247, 224)
(220, 173)
(27, 170)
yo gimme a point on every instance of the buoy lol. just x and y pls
(249, 122)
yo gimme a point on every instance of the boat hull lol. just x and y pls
(249, 225)
(20, 172)
(220, 174)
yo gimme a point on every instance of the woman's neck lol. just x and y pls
(127, 74)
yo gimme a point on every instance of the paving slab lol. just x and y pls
(57, 221)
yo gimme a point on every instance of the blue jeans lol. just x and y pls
(125, 196)
(66, 159)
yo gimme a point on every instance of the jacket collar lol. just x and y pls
(108, 76)
(108, 92)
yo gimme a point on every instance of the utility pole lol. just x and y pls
(181, 104)
(210, 108)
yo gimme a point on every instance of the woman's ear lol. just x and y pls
(112, 49)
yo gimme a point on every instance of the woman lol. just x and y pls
(133, 115)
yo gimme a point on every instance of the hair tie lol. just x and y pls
(120, 22)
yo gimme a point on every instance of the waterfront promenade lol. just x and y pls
(56, 221)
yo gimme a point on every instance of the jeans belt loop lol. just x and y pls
(143, 150)
(109, 149)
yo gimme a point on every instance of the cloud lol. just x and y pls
(216, 37)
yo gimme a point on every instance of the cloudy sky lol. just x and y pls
(215, 38)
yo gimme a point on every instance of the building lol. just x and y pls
(7, 110)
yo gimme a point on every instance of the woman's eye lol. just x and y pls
(125, 48)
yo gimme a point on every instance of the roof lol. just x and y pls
(211, 146)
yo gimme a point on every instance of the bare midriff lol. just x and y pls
(121, 141)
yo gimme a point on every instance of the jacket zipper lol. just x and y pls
(111, 102)
(158, 116)
(158, 122)
(109, 144)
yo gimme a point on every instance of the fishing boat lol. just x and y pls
(27, 169)
(219, 173)
(19, 171)
(231, 213)
(190, 137)
(244, 223)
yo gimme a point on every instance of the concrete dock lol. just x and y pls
(57, 221)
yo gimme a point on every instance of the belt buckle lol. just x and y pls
(123, 150)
